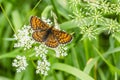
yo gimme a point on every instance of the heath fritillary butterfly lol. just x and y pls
(48, 34)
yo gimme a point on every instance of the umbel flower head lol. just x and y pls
(42, 67)
(20, 63)
(25, 40)
(41, 51)
(61, 51)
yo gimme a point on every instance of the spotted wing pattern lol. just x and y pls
(39, 36)
(49, 35)
(51, 41)
(62, 36)
(37, 23)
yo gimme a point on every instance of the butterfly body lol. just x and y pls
(49, 35)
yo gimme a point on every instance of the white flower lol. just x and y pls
(48, 21)
(61, 50)
(41, 51)
(20, 63)
(43, 67)
(23, 38)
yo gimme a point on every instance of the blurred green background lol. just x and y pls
(94, 24)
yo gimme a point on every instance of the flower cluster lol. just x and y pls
(25, 40)
(96, 15)
(20, 63)
(41, 51)
(42, 67)
(89, 32)
(112, 26)
(61, 51)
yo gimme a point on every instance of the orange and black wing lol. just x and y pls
(62, 36)
(39, 36)
(51, 41)
(37, 24)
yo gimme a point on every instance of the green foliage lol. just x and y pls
(93, 53)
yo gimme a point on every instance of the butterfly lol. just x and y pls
(51, 36)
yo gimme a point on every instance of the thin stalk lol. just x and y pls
(86, 49)
(74, 56)
(52, 1)
(7, 18)
(31, 12)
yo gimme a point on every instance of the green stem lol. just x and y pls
(74, 56)
(54, 75)
(31, 12)
(7, 18)
(86, 49)
(113, 68)
(52, 1)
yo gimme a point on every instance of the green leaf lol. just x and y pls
(29, 72)
(4, 78)
(68, 25)
(90, 65)
(19, 76)
(113, 68)
(72, 70)
(11, 54)
(16, 19)
(117, 36)
(46, 11)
